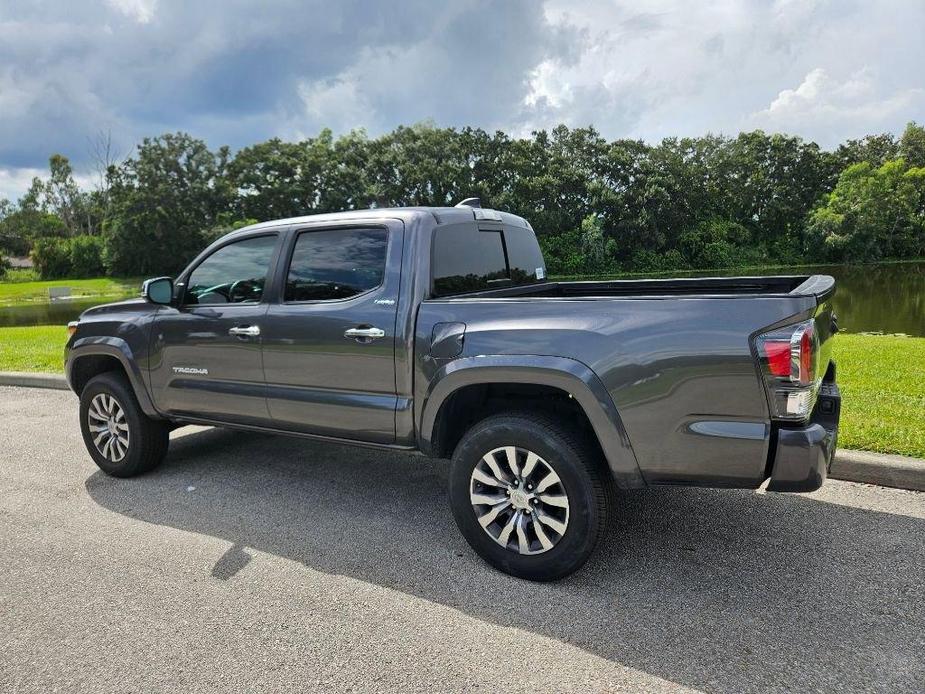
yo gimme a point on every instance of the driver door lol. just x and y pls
(206, 351)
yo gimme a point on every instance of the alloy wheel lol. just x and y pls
(519, 500)
(108, 427)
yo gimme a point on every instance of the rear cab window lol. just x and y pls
(469, 258)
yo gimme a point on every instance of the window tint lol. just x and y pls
(524, 256)
(467, 260)
(233, 274)
(336, 264)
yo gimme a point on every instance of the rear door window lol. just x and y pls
(332, 264)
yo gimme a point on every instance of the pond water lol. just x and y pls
(52, 313)
(888, 298)
(885, 297)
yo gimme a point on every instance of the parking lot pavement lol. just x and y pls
(261, 563)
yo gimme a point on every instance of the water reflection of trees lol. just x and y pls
(889, 298)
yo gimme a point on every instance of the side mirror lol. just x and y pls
(158, 290)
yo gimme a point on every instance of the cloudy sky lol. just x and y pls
(235, 72)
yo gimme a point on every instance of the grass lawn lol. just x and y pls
(22, 292)
(882, 380)
(38, 348)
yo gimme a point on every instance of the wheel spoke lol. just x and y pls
(532, 459)
(542, 536)
(102, 435)
(485, 478)
(95, 411)
(486, 499)
(511, 454)
(116, 448)
(549, 480)
(505, 535)
(106, 447)
(551, 522)
(122, 440)
(100, 428)
(490, 461)
(490, 517)
(559, 500)
(523, 546)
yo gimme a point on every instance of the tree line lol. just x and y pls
(598, 206)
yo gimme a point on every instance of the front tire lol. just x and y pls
(122, 440)
(528, 495)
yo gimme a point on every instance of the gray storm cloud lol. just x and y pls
(236, 72)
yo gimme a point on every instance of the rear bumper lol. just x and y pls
(803, 456)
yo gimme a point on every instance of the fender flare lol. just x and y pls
(95, 346)
(563, 373)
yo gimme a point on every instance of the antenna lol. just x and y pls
(471, 202)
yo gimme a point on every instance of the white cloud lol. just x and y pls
(142, 11)
(656, 68)
(340, 102)
(15, 182)
(821, 102)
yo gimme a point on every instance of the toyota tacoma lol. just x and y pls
(437, 330)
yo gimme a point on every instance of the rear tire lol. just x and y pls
(542, 520)
(122, 440)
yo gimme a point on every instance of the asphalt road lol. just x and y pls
(261, 563)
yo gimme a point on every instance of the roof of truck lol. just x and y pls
(443, 215)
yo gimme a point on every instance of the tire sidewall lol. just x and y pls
(565, 458)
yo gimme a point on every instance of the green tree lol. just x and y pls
(872, 213)
(164, 198)
(912, 145)
(593, 244)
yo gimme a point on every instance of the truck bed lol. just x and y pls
(818, 286)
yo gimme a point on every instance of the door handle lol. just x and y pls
(249, 331)
(364, 333)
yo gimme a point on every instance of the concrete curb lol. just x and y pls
(881, 469)
(853, 466)
(33, 380)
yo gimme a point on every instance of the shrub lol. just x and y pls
(57, 258)
(52, 257)
(562, 254)
(86, 254)
(649, 261)
(713, 244)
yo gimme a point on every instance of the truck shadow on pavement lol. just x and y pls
(718, 590)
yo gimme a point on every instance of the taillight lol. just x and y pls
(777, 353)
(789, 363)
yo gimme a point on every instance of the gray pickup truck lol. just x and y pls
(436, 330)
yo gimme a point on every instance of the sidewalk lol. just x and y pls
(853, 466)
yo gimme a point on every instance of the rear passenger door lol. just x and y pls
(329, 344)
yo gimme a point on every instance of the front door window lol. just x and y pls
(234, 274)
